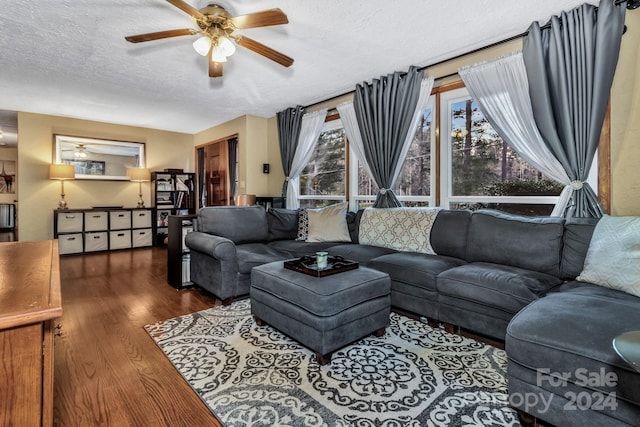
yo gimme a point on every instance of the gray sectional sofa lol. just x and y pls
(507, 277)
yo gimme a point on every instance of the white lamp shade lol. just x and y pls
(62, 172)
(138, 174)
(227, 48)
(202, 45)
(217, 56)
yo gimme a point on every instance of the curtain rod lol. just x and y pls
(633, 4)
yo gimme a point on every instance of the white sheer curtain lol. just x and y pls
(309, 132)
(425, 92)
(351, 128)
(501, 89)
(348, 117)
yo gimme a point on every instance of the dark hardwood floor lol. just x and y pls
(108, 371)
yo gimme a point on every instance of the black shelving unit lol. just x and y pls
(177, 252)
(271, 202)
(172, 193)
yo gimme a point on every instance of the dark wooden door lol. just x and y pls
(216, 174)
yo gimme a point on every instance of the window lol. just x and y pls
(323, 180)
(415, 185)
(479, 169)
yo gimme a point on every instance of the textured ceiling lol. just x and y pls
(69, 57)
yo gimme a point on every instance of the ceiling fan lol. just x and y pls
(216, 27)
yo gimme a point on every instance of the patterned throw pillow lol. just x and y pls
(303, 225)
(402, 229)
(613, 257)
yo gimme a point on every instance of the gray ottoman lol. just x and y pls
(324, 314)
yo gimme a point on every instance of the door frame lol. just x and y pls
(227, 178)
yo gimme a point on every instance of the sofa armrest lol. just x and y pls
(214, 246)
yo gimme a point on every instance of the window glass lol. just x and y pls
(481, 170)
(323, 180)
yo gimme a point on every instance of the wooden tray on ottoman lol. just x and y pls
(308, 265)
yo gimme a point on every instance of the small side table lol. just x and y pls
(627, 346)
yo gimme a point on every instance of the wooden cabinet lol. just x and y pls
(102, 229)
(178, 258)
(30, 301)
(172, 193)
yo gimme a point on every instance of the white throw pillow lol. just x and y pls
(328, 224)
(402, 229)
(613, 257)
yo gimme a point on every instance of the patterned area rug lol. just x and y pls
(414, 375)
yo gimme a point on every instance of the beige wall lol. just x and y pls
(38, 196)
(255, 147)
(625, 126)
(276, 174)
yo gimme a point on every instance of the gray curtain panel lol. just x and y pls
(570, 68)
(233, 169)
(289, 124)
(384, 110)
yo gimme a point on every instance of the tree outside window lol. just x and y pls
(483, 165)
(323, 180)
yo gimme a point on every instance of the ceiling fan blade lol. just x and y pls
(215, 68)
(265, 51)
(160, 35)
(187, 8)
(260, 19)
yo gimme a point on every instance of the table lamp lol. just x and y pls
(62, 172)
(139, 175)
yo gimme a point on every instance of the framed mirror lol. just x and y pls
(99, 159)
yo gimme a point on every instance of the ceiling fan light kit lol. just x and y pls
(80, 152)
(216, 27)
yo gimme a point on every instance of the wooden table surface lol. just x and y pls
(29, 293)
(30, 300)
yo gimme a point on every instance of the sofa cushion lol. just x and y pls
(240, 224)
(361, 253)
(530, 243)
(449, 233)
(613, 258)
(253, 254)
(498, 287)
(415, 268)
(402, 229)
(353, 222)
(577, 235)
(282, 223)
(297, 249)
(571, 332)
(328, 224)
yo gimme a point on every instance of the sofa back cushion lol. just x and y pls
(283, 224)
(449, 233)
(532, 243)
(240, 224)
(577, 236)
(402, 229)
